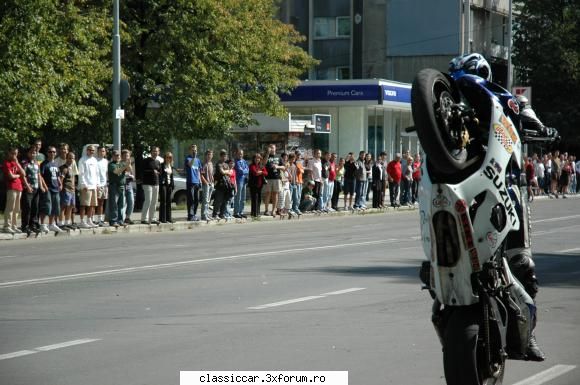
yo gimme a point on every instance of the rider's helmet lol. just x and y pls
(471, 63)
(522, 101)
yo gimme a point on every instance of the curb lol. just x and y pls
(182, 225)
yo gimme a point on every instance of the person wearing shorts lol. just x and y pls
(67, 195)
(88, 181)
(50, 200)
(102, 189)
(272, 187)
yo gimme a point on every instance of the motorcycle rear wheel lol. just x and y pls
(462, 353)
(432, 98)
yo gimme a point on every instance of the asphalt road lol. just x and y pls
(323, 294)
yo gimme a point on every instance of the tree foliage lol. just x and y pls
(547, 57)
(204, 66)
(54, 66)
(207, 64)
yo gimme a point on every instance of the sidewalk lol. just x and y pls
(181, 224)
(180, 216)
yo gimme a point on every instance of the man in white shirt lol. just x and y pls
(102, 189)
(315, 166)
(88, 183)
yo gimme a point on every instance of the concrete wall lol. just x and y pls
(374, 39)
(404, 69)
(423, 27)
(351, 130)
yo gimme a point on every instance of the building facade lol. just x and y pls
(394, 39)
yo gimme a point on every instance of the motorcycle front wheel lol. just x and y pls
(462, 351)
(433, 97)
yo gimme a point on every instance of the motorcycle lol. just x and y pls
(469, 203)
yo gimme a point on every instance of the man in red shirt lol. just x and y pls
(394, 177)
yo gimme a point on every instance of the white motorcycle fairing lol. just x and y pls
(463, 225)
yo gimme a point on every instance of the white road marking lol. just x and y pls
(302, 299)
(65, 344)
(16, 354)
(68, 277)
(46, 348)
(287, 302)
(555, 219)
(568, 228)
(569, 250)
(546, 375)
(344, 291)
(8, 256)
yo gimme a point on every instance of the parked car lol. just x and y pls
(179, 195)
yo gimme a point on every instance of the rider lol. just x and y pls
(518, 243)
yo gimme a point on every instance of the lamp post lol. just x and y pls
(510, 37)
(117, 112)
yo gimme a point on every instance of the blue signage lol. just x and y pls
(353, 92)
(395, 94)
(305, 93)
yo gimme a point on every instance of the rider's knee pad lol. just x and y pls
(524, 269)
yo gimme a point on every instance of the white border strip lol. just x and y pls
(302, 299)
(181, 263)
(555, 219)
(47, 348)
(546, 375)
(569, 250)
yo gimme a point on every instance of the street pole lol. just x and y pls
(509, 69)
(116, 77)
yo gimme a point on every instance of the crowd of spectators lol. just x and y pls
(47, 188)
(553, 174)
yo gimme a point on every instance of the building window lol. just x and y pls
(343, 73)
(333, 73)
(331, 27)
(323, 27)
(343, 26)
(326, 73)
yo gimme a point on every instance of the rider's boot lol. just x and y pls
(533, 352)
(523, 268)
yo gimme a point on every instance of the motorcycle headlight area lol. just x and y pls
(447, 239)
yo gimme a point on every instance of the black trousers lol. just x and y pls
(256, 200)
(164, 203)
(393, 192)
(316, 194)
(335, 195)
(220, 201)
(29, 207)
(377, 193)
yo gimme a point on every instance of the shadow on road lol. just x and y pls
(408, 273)
(558, 269)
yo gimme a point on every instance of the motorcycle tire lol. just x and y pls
(432, 96)
(462, 355)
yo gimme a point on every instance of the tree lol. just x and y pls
(547, 57)
(206, 64)
(55, 66)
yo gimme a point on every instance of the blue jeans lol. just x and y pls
(240, 198)
(405, 191)
(128, 204)
(115, 203)
(295, 197)
(192, 199)
(324, 194)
